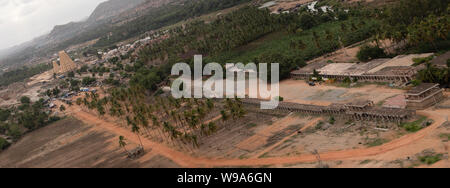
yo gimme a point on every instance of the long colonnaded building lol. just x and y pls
(358, 110)
(396, 70)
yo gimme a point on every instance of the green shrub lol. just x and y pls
(445, 136)
(419, 61)
(319, 125)
(376, 142)
(431, 159)
(3, 144)
(62, 108)
(347, 80)
(414, 126)
(251, 125)
(88, 80)
(4, 114)
(367, 53)
(332, 120)
(416, 82)
(281, 99)
(25, 100)
(14, 131)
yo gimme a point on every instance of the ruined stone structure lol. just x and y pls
(359, 111)
(56, 67)
(66, 64)
(424, 96)
(397, 70)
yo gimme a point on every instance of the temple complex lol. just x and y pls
(66, 64)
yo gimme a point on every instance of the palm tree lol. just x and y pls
(135, 129)
(212, 128)
(224, 115)
(122, 143)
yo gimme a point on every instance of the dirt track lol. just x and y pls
(186, 160)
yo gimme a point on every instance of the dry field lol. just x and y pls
(71, 143)
(258, 140)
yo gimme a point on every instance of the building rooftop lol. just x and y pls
(309, 69)
(396, 70)
(336, 69)
(422, 88)
(402, 60)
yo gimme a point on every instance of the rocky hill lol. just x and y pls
(112, 8)
(74, 32)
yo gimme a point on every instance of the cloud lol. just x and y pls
(23, 20)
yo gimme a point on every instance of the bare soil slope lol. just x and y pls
(70, 143)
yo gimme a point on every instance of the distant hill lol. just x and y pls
(112, 8)
(111, 22)
(68, 34)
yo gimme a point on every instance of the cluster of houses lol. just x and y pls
(124, 49)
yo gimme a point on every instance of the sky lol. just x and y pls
(23, 20)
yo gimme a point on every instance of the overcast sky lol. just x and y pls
(23, 20)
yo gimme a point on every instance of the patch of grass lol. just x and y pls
(445, 136)
(251, 125)
(319, 125)
(419, 61)
(431, 159)
(376, 142)
(243, 157)
(265, 155)
(414, 126)
(365, 162)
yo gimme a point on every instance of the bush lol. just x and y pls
(14, 131)
(88, 81)
(332, 120)
(367, 53)
(416, 82)
(430, 159)
(347, 80)
(3, 144)
(376, 142)
(71, 74)
(4, 114)
(414, 126)
(280, 99)
(62, 108)
(25, 100)
(419, 61)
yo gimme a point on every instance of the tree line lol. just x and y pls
(180, 122)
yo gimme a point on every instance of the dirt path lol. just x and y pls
(186, 160)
